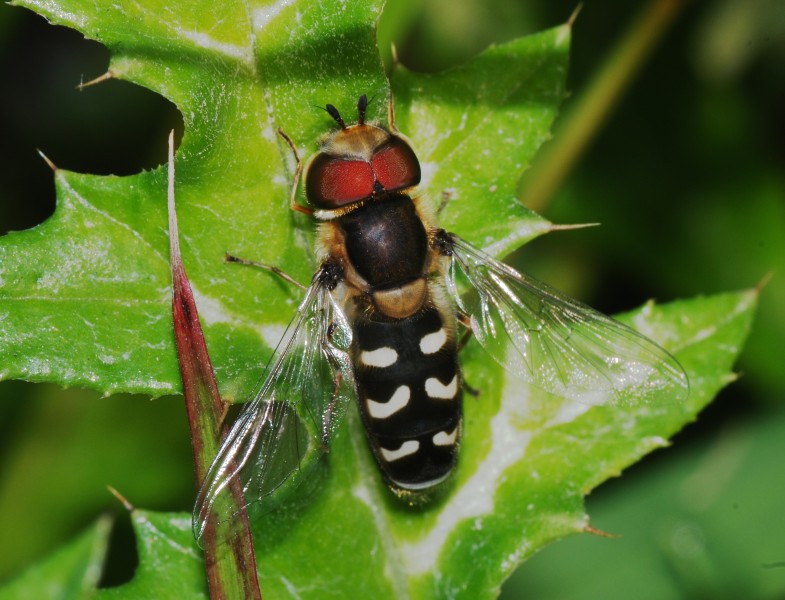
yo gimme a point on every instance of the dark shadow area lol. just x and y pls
(122, 557)
(111, 128)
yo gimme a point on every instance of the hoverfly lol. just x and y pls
(379, 322)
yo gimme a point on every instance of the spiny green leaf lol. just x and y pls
(527, 461)
(83, 295)
(708, 530)
(170, 564)
(478, 126)
(526, 464)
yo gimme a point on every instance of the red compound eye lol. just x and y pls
(333, 182)
(395, 165)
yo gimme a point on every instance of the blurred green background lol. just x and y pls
(687, 177)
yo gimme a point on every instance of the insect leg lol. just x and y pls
(464, 320)
(271, 268)
(298, 171)
(224, 413)
(446, 197)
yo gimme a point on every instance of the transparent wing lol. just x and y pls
(556, 343)
(299, 403)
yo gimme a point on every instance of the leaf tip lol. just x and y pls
(100, 79)
(601, 533)
(564, 32)
(571, 226)
(123, 500)
(732, 377)
(574, 16)
(763, 282)
(47, 160)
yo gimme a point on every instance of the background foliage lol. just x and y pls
(687, 179)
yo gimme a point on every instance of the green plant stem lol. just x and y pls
(584, 118)
(228, 549)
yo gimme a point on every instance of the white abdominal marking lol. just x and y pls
(423, 484)
(436, 389)
(382, 410)
(407, 448)
(445, 439)
(433, 342)
(381, 357)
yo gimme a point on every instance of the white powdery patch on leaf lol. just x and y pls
(475, 497)
(427, 172)
(569, 411)
(203, 40)
(522, 232)
(71, 198)
(263, 16)
(213, 311)
(272, 334)
(151, 534)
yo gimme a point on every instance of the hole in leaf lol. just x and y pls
(111, 128)
(122, 557)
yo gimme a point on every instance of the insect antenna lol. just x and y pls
(335, 115)
(362, 104)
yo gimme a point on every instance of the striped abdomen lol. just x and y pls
(409, 390)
